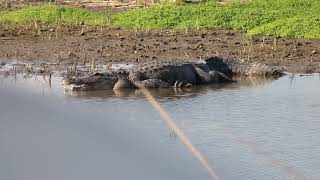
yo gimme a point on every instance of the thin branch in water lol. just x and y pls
(166, 117)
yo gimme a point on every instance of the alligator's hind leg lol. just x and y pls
(219, 77)
(211, 76)
(152, 83)
(123, 84)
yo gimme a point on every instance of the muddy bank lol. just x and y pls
(104, 46)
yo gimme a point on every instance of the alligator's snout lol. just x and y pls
(100, 82)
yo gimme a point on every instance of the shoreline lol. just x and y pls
(70, 41)
(104, 46)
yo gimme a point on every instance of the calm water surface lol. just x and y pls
(256, 129)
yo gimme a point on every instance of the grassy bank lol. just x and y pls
(290, 18)
(297, 18)
(50, 13)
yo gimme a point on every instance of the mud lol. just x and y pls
(82, 44)
(116, 5)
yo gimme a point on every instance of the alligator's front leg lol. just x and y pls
(123, 84)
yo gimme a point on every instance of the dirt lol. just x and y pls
(104, 46)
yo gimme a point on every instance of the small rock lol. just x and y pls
(230, 33)
(199, 46)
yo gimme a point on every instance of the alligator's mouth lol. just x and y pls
(89, 83)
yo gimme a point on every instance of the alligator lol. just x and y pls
(165, 74)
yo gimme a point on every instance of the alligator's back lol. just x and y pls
(157, 65)
(168, 71)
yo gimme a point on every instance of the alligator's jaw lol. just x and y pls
(89, 83)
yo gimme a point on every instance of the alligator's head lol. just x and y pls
(111, 80)
(94, 82)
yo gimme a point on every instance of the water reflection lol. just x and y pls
(243, 82)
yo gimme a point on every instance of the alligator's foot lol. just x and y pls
(179, 84)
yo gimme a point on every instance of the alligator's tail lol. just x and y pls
(235, 67)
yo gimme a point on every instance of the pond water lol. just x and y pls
(255, 129)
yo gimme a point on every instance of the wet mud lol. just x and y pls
(104, 46)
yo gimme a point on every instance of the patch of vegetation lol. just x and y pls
(49, 13)
(290, 18)
(294, 18)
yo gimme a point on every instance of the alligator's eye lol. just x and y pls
(98, 74)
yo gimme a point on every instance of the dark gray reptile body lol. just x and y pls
(164, 74)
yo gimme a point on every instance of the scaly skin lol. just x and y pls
(166, 74)
(231, 67)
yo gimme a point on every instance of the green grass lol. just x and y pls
(289, 18)
(293, 18)
(49, 13)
